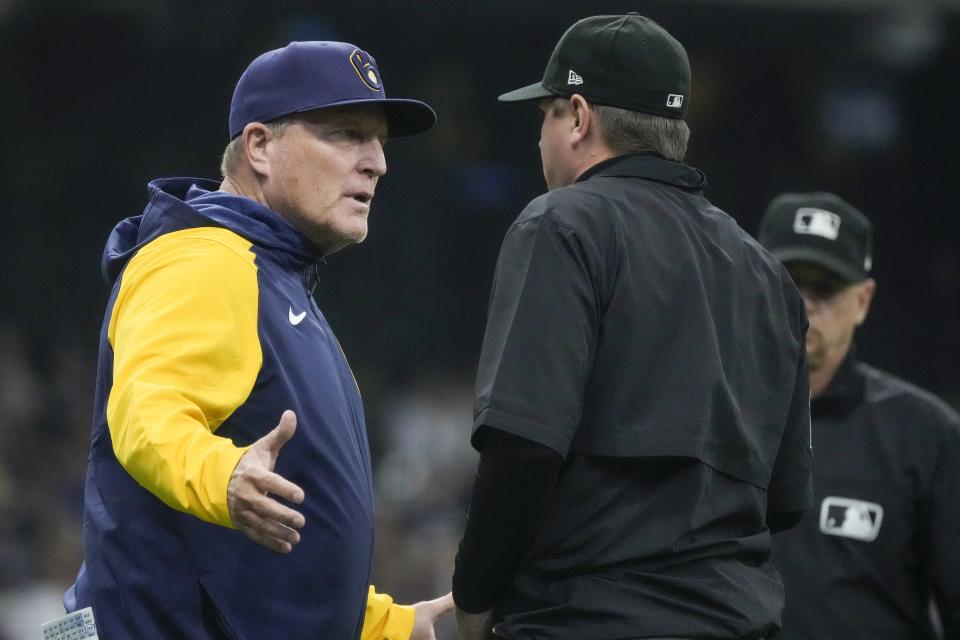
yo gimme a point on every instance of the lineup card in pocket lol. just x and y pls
(78, 625)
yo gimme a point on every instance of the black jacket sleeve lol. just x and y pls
(541, 335)
(791, 484)
(515, 478)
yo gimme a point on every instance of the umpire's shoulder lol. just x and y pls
(885, 388)
(564, 206)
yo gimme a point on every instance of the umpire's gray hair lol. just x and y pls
(232, 154)
(628, 131)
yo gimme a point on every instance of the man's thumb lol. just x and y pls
(281, 434)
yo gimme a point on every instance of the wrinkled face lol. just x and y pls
(324, 169)
(555, 152)
(835, 309)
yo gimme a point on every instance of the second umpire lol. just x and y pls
(642, 400)
(886, 535)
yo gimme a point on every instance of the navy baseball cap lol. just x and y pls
(626, 61)
(304, 76)
(820, 228)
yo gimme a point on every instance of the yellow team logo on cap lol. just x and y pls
(363, 65)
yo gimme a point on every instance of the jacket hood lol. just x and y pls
(184, 203)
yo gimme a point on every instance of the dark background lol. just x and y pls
(98, 98)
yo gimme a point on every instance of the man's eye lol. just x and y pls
(350, 134)
(353, 134)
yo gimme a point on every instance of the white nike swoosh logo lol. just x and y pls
(297, 318)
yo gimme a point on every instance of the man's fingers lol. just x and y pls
(276, 531)
(279, 486)
(269, 509)
(257, 515)
(273, 510)
(275, 544)
(267, 532)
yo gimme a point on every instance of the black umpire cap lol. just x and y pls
(820, 228)
(627, 61)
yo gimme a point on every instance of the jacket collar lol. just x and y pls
(650, 166)
(179, 203)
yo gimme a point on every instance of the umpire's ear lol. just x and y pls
(584, 124)
(864, 296)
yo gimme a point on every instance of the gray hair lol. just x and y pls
(628, 131)
(234, 150)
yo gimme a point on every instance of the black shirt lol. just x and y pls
(886, 533)
(635, 329)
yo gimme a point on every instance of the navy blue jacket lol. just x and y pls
(152, 571)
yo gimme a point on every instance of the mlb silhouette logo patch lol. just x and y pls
(817, 222)
(674, 100)
(849, 518)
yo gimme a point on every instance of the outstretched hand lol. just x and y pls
(252, 510)
(427, 613)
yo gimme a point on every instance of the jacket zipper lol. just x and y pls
(346, 375)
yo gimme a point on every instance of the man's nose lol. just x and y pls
(373, 162)
(811, 303)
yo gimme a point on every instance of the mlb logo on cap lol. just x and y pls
(849, 518)
(625, 61)
(819, 228)
(817, 222)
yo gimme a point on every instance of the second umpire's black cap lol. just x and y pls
(820, 228)
(627, 61)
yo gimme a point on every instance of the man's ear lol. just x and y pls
(864, 298)
(582, 118)
(256, 140)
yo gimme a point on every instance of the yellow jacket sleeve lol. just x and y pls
(186, 354)
(385, 620)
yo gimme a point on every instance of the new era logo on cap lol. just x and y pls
(817, 222)
(849, 518)
(631, 63)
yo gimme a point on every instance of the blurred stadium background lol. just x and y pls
(98, 97)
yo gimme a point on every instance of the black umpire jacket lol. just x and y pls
(885, 533)
(639, 333)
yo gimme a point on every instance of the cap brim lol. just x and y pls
(407, 117)
(404, 117)
(534, 91)
(820, 258)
